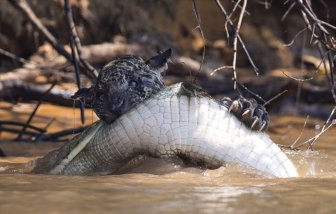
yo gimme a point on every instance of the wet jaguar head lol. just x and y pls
(127, 81)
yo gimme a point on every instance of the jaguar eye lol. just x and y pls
(132, 83)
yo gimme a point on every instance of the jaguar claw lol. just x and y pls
(254, 123)
(262, 126)
(247, 112)
(234, 106)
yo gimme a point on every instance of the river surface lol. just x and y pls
(167, 186)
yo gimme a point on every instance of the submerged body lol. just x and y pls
(178, 121)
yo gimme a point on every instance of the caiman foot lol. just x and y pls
(249, 112)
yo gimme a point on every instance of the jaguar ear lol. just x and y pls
(159, 61)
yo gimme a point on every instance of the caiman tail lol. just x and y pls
(180, 120)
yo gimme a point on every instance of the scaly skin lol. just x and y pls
(179, 121)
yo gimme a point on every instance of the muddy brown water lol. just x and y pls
(166, 186)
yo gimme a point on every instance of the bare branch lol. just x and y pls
(199, 27)
(220, 6)
(229, 18)
(235, 39)
(74, 41)
(323, 38)
(20, 124)
(24, 7)
(287, 12)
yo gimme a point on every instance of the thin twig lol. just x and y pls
(237, 4)
(260, 98)
(75, 48)
(330, 58)
(199, 27)
(16, 131)
(235, 42)
(312, 36)
(251, 92)
(296, 35)
(220, 68)
(275, 97)
(300, 84)
(49, 123)
(324, 128)
(329, 81)
(37, 137)
(229, 18)
(312, 140)
(23, 131)
(220, 6)
(76, 40)
(323, 38)
(20, 124)
(287, 12)
(298, 138)
(12, 56)
(308, 78)
(255, 68)
(308, 11)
